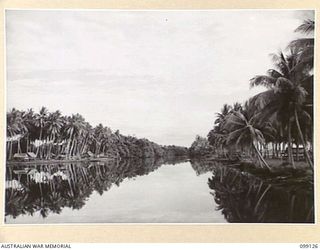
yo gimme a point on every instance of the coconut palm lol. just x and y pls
(244, 132)
(55, 124)
(74, 136)
(237, 106)
(28, 117)
(12, 129)
(217, 136)
(16, 129)
(74, 127)
(287, 101)
(40, 122)
(222, 114)
(87, 138)
(305, 45)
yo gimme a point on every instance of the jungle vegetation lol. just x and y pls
(279, 117)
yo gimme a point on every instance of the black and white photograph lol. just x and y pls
(159, 116)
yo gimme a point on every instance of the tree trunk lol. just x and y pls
(10, 147)
(37, 153)
(69, 144)
(302, 139)
(273, 150)
(260, 156)
(19, 147)
(10, 150)
(27, 150)
(83, 145)
(290, 155)
(51, 145)
(71, 148)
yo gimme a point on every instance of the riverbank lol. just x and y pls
(170, 160)
(279, 169)
(38, 162)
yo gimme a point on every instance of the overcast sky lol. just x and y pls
(156, 74)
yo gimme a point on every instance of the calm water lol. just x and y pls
(149, 191)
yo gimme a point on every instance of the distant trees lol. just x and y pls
(53, 136)
(200, 146)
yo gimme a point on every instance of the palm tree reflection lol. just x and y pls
(245, 198)
(49, 188)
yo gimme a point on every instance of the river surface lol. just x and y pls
(148, 191)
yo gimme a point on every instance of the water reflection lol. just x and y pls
(170, 194)
(50, 188)
(246, 198)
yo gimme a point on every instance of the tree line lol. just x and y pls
(280, 116)
(50, 135)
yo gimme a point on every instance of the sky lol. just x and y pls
(161, 75)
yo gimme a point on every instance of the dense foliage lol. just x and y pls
(258, 196)
(278, 117)
(52, 136)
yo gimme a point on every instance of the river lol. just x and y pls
(149, 191)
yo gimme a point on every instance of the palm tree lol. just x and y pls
(305, 45)
(16, 126)
(87, 138)
(12, 129)
(23, 130)
(98, 136)
(74, 136)
(28, 117)
(223, 114)
(244, 131)
(55, 124)
(288, 97)
(40, 122)
(237, 106)
(217, 136)
(74, 127)
(306, 27)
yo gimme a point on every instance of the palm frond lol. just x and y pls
(301, 43)
(259, 101)
(239, 140)
(234, 134)
(263, 80)
(300, 95)
(306, 115)
(274, 73)
(280, 62)
(259, 136)
(306, 27)
(283, 84)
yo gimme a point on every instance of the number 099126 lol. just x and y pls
(313, 246)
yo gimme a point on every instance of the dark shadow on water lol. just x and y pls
(246, 198)
(51, 187)
(242, 197)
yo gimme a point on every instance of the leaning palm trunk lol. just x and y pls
(260, 156)
(83, 146)
(290, 155)
(68, 148)
(302, 139)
